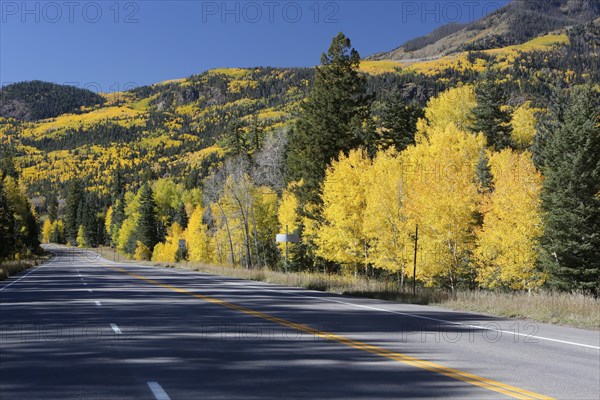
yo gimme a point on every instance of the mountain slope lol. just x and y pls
(515, 23)
(29, 101)
(183, 129)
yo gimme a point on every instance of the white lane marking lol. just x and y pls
(487, 328)
(116, 329)
(23, 277)
(158, 391)
(98, 303)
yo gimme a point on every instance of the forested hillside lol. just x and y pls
(35, 100)
(486, 151)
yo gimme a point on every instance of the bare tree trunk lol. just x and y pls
(401, 272)
(255, 231)
(228, 233)
(246, 231)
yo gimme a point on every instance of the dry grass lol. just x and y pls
(567, 309)
(571, 309)
(10, 268)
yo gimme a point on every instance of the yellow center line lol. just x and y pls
(489, 384)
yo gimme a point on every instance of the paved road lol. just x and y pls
(80, 327)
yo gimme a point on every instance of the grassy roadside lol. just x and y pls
(13, 267)
(568, 309)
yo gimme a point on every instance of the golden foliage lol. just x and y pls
(237, 73)
(167, 251)
(142, 252)
(81, 237)
(376, 67)
(237, 85)
(386, 223)
(199, 242)
(46, 231)
(122, 115)
(524, 125)
(454, 106)
(442, 197)
(287, 214)
(503, 56)
(341, 238)
(507, 248)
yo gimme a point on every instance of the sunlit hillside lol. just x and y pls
(183, 126)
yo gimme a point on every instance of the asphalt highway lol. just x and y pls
(82, 327)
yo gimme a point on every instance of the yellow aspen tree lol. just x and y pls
(341, 237)
(167, 251)
(159, 253)
(287, 212)
(507, 243)
(442, 197)
(233, 214)
(126, 243)
(228, 234)
(263, 218)
(454, 106)
(199, 242)
(81, 237)
(523, 123)
(108, 220)
(142, 252)
(57, 231)
(191, 199)
(386, 223)
(309, 224)
(46, 231)
(167, 195)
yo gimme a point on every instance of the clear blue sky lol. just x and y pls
(108, 45)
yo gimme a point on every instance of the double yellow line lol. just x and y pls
(485, 383)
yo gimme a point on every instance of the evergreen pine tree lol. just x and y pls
(52, 208)
(237, 140)
(484, 174)
(118, 217)
(571, 196)
(118, 184)
(7, 165)
(56, 236)
(89, 222)
(7, 226)
(72, 210)
(31, 238)
(399, 123)
(490, 117)
(147, 229)
(181, 216)
(332, 118)
(549, 123)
